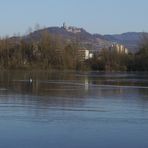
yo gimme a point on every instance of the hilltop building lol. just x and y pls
(71, 29)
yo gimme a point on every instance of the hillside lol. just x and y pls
(95, 42)
(61, 48)
(130, 40)
(83, 37)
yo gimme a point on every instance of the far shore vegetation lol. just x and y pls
(52, 52)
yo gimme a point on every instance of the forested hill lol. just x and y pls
(90, 41)
(130, 40)
(62, 48)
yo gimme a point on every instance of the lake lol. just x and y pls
(73, 109)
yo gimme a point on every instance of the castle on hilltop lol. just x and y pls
(71, 29)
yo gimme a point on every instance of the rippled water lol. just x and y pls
(73, 109)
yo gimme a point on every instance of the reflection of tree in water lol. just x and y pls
(143, 93)
(46, 89)
(61, 91)
(64, 88)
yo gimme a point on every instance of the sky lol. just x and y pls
(95, 16)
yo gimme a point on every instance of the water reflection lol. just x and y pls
(69, 88)
(72, 84)
(76, 105)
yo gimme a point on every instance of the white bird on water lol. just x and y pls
(30, 80)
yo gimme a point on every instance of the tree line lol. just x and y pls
(53, 52)
(107, 60)
(47, 52)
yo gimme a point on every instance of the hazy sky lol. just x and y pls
(96, 16)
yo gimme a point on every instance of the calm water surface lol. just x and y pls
(73, 110)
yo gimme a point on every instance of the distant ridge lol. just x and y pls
(130, 40)
(95, 42)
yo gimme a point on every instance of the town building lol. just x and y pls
(84, 54)
(119, 48)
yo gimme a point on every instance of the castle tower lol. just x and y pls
(64, 25)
